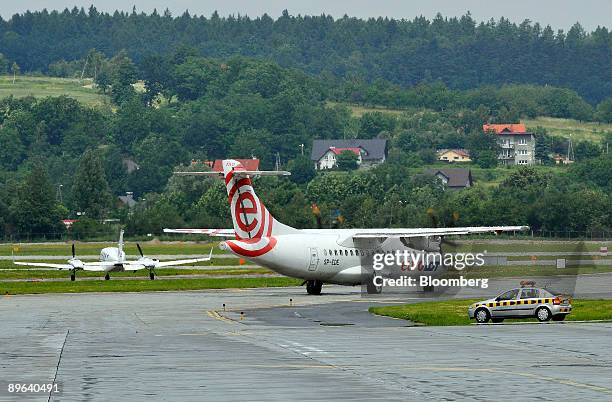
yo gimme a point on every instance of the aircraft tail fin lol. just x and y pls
(120, 243)
(250, 216)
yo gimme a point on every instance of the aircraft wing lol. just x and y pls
(427, 232)
(44, 264)
(98, 266)
(136, 265)
(162, 264)
(133, 265)
(209, 232)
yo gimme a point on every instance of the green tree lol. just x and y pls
(35, 209)
(90, 191)
(604, 111)
(302, 169)
(347, 160)
(483, 148)
(586, 150)
(11, 148)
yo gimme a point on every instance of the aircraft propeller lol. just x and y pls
(146, 261)
(75, 262)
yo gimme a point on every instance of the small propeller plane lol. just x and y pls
(339, 256)
(112, 259)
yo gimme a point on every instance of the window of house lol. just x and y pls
(522, 141)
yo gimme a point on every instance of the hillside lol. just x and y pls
(579, 130)
(461, 52)
(41, 87)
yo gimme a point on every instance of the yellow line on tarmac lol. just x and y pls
(217, 316)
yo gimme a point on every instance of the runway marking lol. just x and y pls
(562, 381)
(217, 316)
(195, 334)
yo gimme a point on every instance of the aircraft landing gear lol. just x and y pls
(106, 277)
(372, 289)
(152, 275)
(73, 276)
(313, 287)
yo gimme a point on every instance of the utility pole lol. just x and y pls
(58, 195)
(277, 163)
(302, 148)
(570, 149)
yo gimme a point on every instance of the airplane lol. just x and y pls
(317, 256)
(112, 259)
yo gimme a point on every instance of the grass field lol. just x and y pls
(41, 87)
(150, 248)
(564, 127)
(144, 273)
(454, 312)
(203, 249)
(358, 110)
(13, 288)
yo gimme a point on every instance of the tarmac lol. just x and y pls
(287, 345)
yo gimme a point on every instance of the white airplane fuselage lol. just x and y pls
(112, 254)
(317, 255)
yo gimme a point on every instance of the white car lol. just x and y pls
(527, 302)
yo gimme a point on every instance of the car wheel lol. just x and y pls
(497, 320)
(482, 316)
(543, 314)
(559, 317)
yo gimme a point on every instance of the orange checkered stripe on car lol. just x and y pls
(515, 303)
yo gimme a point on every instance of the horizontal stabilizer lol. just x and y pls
(209, 232)
(251, 173)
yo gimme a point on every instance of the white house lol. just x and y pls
(369, 152)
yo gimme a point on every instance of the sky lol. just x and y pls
(560, 14)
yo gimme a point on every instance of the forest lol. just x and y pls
(179, 99)
(460, 52)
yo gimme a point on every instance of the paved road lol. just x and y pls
(183, 346)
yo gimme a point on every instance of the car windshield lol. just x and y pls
(509, 295)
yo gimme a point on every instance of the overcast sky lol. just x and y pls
(557, 13)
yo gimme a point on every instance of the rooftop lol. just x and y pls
(372, 149)
(501, 129)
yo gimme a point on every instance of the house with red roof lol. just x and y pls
(369, 152)
(516, 143)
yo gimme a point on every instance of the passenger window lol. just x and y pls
(324, 252)
(529, 293)
(346, 252)
(509, 295)
(335, 252)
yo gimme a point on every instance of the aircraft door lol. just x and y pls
(314, 259)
